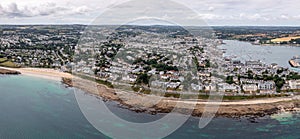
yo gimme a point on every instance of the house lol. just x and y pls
(165, 76)
(250, 88)
(253, 63)
(158, 84)
(210, 87)
(129, 78)
(173, 85)
(294, 84)
(203, 74)
(152, 72)
(227, 88)
(270, 85)
(103, 74)
(236, 62)
(196, 87)
(235, 79)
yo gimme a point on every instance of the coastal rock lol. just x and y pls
(67, 81)
(9, 72)
(140, 103)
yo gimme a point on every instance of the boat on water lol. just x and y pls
(295, 62)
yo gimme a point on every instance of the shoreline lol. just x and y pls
(271, 44)
(41, 73)
(265, 44)
(156, 104)
(4, 71)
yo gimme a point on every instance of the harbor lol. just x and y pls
(244, 51)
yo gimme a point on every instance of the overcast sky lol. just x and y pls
(213, 12)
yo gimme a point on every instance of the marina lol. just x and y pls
(245, 51)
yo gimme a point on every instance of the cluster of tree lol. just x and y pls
(297, 41)
(293, 76)
(152, 63)
(207, 63)
(279, 82)
(229, 80)
(164, 67)
(196, 49)
(143, 79)
(199, 67)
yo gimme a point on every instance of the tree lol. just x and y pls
(279, 71)
(229, 80)
(207, 63)
(293, 76)
(250, 74)
(147, 68)
(143, 79)
(279, 82)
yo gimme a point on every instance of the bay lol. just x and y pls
(266, 53)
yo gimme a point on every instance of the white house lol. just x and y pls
(294, 84)
(270, 85)
(250, 88)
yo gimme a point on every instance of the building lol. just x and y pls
(250, 88)
(270, 85)
(129, 78)
(294, 84)
(253, 63)
(227, 88)
(196, 87)
(173, 85)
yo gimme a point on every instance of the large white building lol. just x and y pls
(294, 84)
(270, 85)
(250, 88)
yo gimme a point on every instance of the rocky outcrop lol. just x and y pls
(67, 81)
(154, 104)
(9, 72)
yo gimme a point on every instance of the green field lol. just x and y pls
(4, 62)
(106, 83)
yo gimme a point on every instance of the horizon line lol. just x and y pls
(66, 24)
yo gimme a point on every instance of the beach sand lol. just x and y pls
(42, 73)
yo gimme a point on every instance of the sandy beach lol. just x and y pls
(42, 73)
(154, 104)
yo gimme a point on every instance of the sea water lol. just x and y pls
(266, 53)
(36, 108)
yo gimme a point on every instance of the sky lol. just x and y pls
(185, 12)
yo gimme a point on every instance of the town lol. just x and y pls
(144, 59)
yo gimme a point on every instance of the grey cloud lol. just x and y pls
(212, 11)
(14, 10)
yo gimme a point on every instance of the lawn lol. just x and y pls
(3, 60)
(9, 64)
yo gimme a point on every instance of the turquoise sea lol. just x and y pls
(35, 108)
